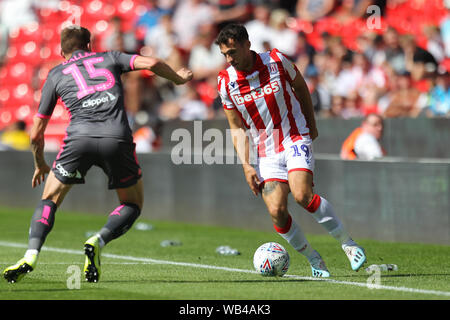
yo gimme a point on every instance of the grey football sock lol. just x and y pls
(41, 224)
(119, 221)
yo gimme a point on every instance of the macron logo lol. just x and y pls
(98, 101)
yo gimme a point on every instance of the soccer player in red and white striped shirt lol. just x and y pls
(265, 94)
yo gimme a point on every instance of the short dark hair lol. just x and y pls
(75, 38)
(237, 32)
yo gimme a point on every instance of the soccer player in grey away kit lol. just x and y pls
(98, 134)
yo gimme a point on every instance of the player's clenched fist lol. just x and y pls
(185, 74)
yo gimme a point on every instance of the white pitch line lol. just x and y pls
(204, 266)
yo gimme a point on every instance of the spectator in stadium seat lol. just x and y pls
(162, 41)
(282, 37)
(125, 42)
(259, 29)
(188, 17)
(439, 97)
(435, 45)
(117, 38)
(345, 81)
(145, 138)
(349, 10)
(205, 59)
(337, 106)
(364, 142)
(303, 47)
(370, 81)
(330, 72)
(231, 11)
(312, 80)
(187, 107)
(16, 136)
(152, 14)
(312, 10)
(393, 52)
(352, 106)
(405, 99)
(419, 62)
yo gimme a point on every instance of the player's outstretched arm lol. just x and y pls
(241, 145)
(37, 148)
(162, 69)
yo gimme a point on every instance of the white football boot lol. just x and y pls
(318, 267)
(355, 255)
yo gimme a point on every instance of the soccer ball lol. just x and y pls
(271, 259)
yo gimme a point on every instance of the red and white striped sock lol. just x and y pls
(323, 213)
(292, 233)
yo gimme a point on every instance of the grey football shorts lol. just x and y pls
(116, 157)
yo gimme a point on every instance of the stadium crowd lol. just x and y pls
(389, 57)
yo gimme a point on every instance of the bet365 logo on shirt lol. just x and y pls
(258, 93)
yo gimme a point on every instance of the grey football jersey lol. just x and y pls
(90, 87)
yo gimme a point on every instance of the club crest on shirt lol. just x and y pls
(273, 68)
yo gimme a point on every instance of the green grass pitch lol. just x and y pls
(137, 267)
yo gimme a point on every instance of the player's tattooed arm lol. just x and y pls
(37, 148)
(162, 69)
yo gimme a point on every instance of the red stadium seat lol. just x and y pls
(98, 10)
(29, 32)
(5, 94)
(51, 33)
(129, 10)
(16, 73)
(54, 16)
(21, 94)
(6, 118)
(27, 52)
(15, 110)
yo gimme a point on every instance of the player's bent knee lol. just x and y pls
(55, 190)
(277, 211)
(133, 194)
(303, 198)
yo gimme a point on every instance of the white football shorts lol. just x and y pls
(297, 156)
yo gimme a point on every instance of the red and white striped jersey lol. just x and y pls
(266, 101)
